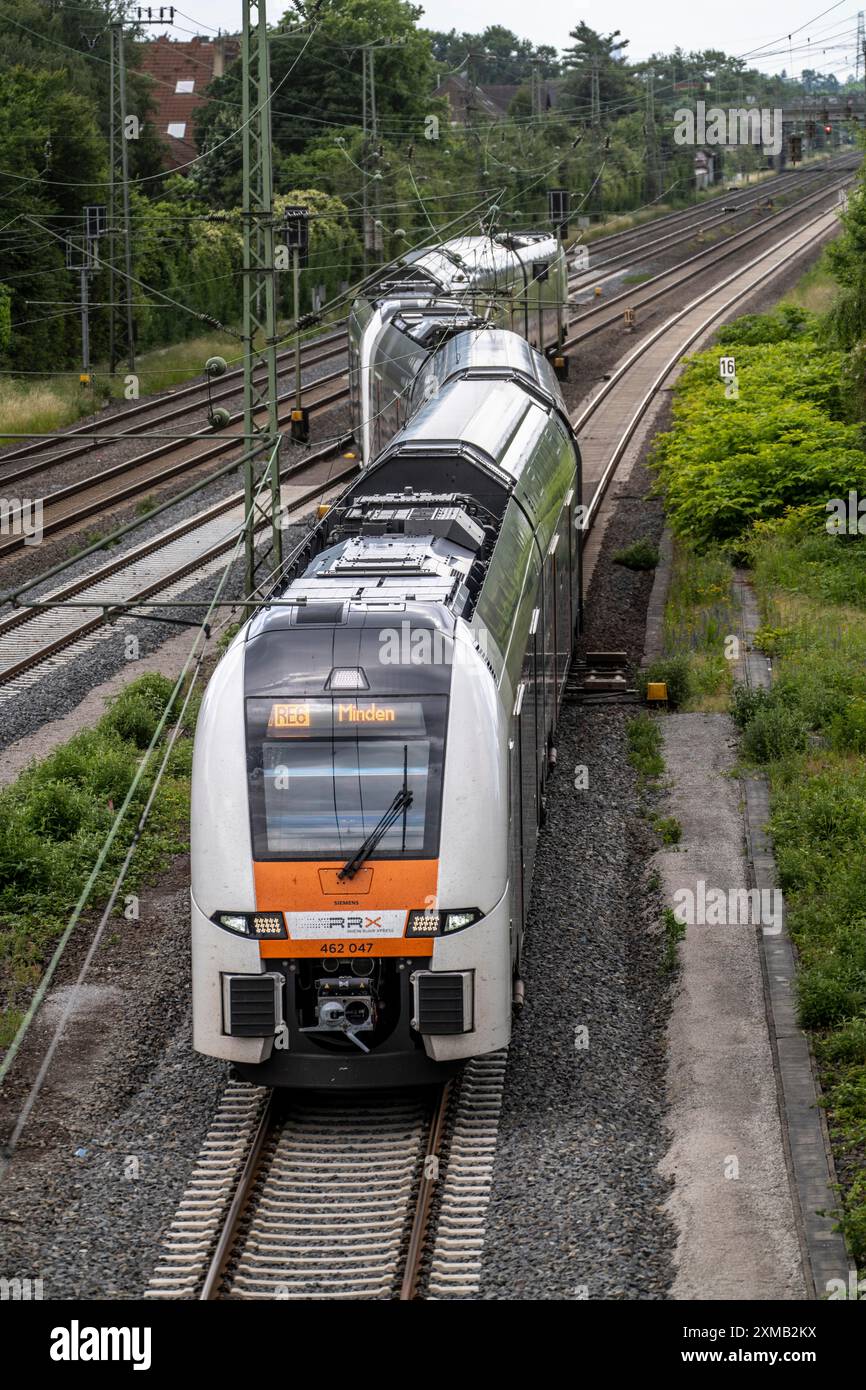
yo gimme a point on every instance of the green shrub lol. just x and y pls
(848, 727)
(135, 713)
(746, 702)
(641, 555)
(676, 674)
(669, 829)
(826, 998)
(846, 1045)
(773, 733)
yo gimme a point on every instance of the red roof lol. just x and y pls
(168, 63)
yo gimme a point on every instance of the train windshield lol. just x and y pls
(323, 772)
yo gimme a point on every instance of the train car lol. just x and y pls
(372, 751)
(515, 280)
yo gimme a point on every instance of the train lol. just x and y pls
(514, 280)
(373, 750)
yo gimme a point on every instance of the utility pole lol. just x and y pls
(81, 260)
(535, 90)
(372, 225)
(122, 127)
(650, 123)
(297, 231)
(365, 213)
(377, 227)
(595, 122)
(595, 93)
(262, 435)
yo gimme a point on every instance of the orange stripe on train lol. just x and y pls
(303, 885)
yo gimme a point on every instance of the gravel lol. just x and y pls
(105, 1157)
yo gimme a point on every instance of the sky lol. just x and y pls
(822, 34)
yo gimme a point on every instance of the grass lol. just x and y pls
(54, 819)
(640, 555)
(668, 828)
(808, 733)
(815, 290)
(37, 407)
(162, 368)
(645, 745)
(637, 278)
(701, 616)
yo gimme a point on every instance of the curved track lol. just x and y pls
(387, 1198)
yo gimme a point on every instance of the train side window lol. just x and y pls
(562, 580)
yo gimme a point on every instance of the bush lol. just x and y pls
(826, 998)
(848, 728)
(773, 733)
(746, 702)
(642, 555)
(676, 674)
(135, 713)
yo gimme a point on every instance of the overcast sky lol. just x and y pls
(823, 41)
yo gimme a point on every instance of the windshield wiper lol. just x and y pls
(401, 803)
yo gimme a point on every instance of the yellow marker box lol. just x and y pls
(657, 690)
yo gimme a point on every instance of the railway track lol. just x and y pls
(334, 1199)
(152, 413)
(387, 1199)
(29, 638)
(76, 502)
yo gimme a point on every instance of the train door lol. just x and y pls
(529, 790)
(551, 684)
(561, 558)
(515, 819)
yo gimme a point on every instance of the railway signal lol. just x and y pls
(296, 221)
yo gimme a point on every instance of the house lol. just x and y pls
(470, 102)
(180, 73)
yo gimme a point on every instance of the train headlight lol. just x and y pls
(427, 923)
(258, 924)
(456, 921)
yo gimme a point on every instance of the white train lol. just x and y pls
(372, 752)
(517, 280)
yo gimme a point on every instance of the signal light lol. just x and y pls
(828, 129)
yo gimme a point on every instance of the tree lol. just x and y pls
(75, 40)
(604, 53)
(317, 81)
(496, 56)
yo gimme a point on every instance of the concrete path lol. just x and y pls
(731, 1201)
